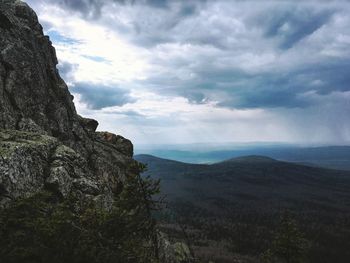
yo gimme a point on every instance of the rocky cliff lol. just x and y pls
(44, 143)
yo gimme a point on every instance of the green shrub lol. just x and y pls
(43, 228)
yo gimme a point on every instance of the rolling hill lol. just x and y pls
(236, 204)
(334, 157)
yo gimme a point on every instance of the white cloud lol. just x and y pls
(117, 60)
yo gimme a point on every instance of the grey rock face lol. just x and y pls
(43, 141)
(24, 160)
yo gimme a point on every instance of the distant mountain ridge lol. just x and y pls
(250, 158)
(246, 173)
(335, 157)
(233, 205)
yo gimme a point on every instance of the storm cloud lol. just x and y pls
(282, 58)
(293, 24)
(98, 96)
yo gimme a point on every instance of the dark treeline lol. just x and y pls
(318, 237)
(237, 207)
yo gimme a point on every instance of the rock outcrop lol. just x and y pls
(44, 143)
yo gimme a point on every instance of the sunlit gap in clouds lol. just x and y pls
(100, 54)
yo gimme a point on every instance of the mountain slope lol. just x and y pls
(264, 180)
(235, 205)
(334, 157)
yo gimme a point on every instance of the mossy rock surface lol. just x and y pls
(24, 161)
(12, 141)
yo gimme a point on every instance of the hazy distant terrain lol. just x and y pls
(235, 205)
(336, 157)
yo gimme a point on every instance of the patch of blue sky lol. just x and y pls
(97, 58)
(56, 37)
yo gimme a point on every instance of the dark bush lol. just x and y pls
(43, 228)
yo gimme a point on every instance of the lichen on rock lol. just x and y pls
(24, 159)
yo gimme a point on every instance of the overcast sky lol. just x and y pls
(158, 71)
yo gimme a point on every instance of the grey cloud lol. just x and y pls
(148, 20)
(100, 96)
(157, 3)
(194, 97)
(218, 34)
(93, 9)
(331, 76)
(88, 8)
(128, 113)
(288, 90)
(290, 58)
(66, 70)
(235, 88)
(153, 22)
(131, 113)
(294, 24)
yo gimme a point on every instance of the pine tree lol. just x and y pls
(289, 244)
